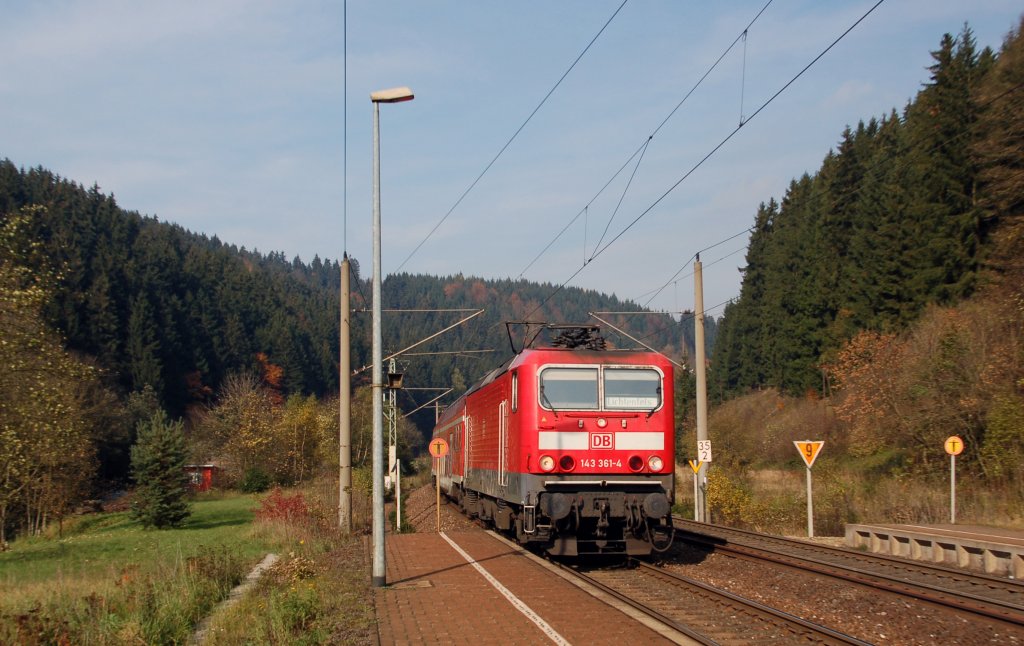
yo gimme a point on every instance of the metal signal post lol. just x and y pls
(438, 448)
(809, 451)
(954, 446)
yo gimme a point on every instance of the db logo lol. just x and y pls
(600, 440)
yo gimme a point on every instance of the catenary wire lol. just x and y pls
(714, 150)
(582, 211)
(512, 138)
(344, 131)
(640, 149)
(647, 141)
(868, 171)
(676, 278)
(623, 196)
(708, 248)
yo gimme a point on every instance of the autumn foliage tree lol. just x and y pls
(955, 373)
(863, 373)
(46, 448)
(236, 429)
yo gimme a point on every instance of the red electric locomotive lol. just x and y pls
(570, 446)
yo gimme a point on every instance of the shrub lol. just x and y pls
(279, 507)
(255, 480)
(1003, 449)
(728, 501)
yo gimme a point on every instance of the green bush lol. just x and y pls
(255, 480)
(728, 499)
(1003, 449)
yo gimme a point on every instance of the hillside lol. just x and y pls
(160, 306)
(906, 325)
(913, 209)
(144, 315)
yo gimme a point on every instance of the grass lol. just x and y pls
(96, 543)
(315, 595)
(774, 500)
(109, 581)
(318, 592)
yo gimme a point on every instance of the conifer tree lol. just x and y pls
(1000, 152)
(158, 466)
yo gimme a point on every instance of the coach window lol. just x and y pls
(569, 388)
(515, 391)
(632, 389)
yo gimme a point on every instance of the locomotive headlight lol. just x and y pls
(655, 463)
(547, 463)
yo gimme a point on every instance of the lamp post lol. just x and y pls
(394, 95)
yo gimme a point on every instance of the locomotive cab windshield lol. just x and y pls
(607, 388)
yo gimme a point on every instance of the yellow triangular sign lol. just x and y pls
(809, 450)
(695, 465)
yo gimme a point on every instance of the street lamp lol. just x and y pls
(394, 95)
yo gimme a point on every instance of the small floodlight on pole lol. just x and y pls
(394, 95)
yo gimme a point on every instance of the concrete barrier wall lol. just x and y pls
(990, 557)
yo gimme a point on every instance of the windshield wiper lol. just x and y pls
(651, 412)
(547, 402)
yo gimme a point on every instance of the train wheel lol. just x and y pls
(521, 536)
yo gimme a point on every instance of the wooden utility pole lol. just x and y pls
(702, 386)
(345, 406)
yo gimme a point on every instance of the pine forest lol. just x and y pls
(881, 305)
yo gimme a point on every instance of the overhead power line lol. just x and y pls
(512, 138)
(710, 154)
(344, 132)
(685, 264)
(643, 147)
(638, 152)
(879, 165)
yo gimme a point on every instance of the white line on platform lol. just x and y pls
(516, 602)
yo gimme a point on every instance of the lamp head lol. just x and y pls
(394, 95)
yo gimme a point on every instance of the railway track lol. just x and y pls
(704, 614)
(686, 611)
(978, 594)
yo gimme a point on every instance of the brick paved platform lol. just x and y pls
(434, 595)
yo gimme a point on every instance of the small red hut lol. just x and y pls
(201, 477)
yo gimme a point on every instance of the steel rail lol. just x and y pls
(976, 604)
(646, 610)
(806, 629)
(917, 566)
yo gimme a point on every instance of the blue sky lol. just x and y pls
(228, 118)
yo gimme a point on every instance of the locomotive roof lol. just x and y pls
(525, 355)
(593, 356)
